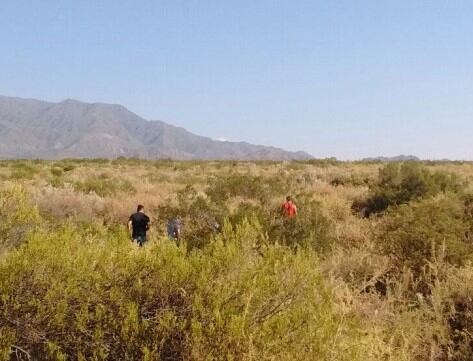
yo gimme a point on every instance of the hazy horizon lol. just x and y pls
(332, 79)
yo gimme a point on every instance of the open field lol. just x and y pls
(376, 266)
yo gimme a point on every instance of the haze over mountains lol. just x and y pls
(399, 158)
(37, 129)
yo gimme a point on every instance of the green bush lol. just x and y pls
(57, 182)
(68, 167)
(259, 188)
(468, 203)
(201, 217)
(352, 180)
(453, 297)
(104, 186)
(309, 229)
(57, 171)
(321, 162)
(251, 210)
(17, 217)
(417, 233)
(65, 165)
(23, 171)
(402, 183)
(68, 294)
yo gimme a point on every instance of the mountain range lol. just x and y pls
(399, 158)
(72, 129)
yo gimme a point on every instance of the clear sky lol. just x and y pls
(343, 78)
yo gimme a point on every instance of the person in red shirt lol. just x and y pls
(289, 209)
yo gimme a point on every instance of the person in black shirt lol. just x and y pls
(138, 224)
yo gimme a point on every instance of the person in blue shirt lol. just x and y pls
(174, 229)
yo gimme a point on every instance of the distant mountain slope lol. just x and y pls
(36, 129)
(399, 158)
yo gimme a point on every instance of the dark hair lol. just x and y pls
(288, 198)
(140, 207)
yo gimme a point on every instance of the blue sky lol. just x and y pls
(335, 78)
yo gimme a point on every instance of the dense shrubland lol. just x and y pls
(376, 266)
(78, 292)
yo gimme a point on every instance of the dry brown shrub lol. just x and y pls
(65, 202)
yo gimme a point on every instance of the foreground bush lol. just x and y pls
(417, 233)
(79, 294)
(453, 301)
(17, 217)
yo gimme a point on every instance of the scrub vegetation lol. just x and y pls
(377, 265)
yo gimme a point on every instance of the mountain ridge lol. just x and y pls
(398, 158)
(74, 129)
